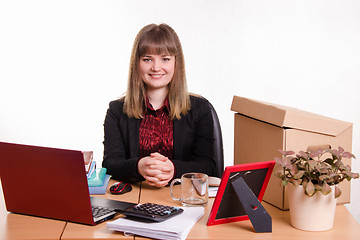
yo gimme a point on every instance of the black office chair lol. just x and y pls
(218, 145)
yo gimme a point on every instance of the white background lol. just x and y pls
(62, 62)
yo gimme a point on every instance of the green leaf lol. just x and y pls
(317, 187)
(303, 154)
(324, 177)
(278, 160)
(310, 189)
(325, 189)
(329, 161)
(294, 170)
(296, 182)
(285, 153)
(346, 171)
(316, 153)
(304, 183)
(355, 175)
(279, 173)
(348, 155)
(335, 154)
(331, 175)
(299, 174)
(339, 163)
(325, 170)
(312, 164)
(340, 149)
(337, 192)
(287, 162)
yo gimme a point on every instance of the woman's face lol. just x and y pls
(157, 70)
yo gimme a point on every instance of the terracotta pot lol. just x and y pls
(315, 213)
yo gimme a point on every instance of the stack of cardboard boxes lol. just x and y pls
(261, 129)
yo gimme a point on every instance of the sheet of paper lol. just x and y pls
(213, 191)
(176, 228)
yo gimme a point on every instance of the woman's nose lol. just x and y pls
(156, 66)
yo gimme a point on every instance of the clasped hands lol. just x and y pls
(157, 169)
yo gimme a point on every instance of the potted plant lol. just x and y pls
(314, 176)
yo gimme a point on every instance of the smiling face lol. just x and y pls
(159, 43)
(156, 70)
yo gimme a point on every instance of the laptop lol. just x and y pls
(51, 183)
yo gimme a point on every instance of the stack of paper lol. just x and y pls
(176, 228)
(213, 191)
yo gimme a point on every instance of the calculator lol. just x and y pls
(151, 211)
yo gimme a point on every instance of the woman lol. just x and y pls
(158, 131)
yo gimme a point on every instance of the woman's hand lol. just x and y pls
(157, 169)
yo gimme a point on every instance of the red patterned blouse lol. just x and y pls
(156, 131)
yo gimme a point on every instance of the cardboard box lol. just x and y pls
(261, 129)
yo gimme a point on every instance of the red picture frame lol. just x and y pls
(227, 207)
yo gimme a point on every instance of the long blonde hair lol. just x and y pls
(157, 39)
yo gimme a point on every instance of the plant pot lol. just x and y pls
(315, 213)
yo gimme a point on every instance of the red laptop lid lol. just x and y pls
(45, 182)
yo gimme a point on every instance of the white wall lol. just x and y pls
(61, 62)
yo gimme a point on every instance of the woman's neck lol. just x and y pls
(157, 97)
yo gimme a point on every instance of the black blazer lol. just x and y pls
(193, 141)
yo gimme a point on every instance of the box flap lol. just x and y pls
(288, 117)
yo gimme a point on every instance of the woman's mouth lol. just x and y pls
(156, 76)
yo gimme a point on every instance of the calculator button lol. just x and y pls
(154, 212)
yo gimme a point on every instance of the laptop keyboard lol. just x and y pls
(101, 214)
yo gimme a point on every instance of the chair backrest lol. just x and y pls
(218, 145)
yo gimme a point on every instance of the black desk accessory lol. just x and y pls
(259, 217)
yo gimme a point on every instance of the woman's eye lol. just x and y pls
(166, 59)
(146, 59)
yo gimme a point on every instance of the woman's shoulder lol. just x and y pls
(117, 105)
(198, 100)
(117, 102)
(199, 104)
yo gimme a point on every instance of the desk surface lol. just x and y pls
(345, 226)
(16, 226)
(100, 231)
